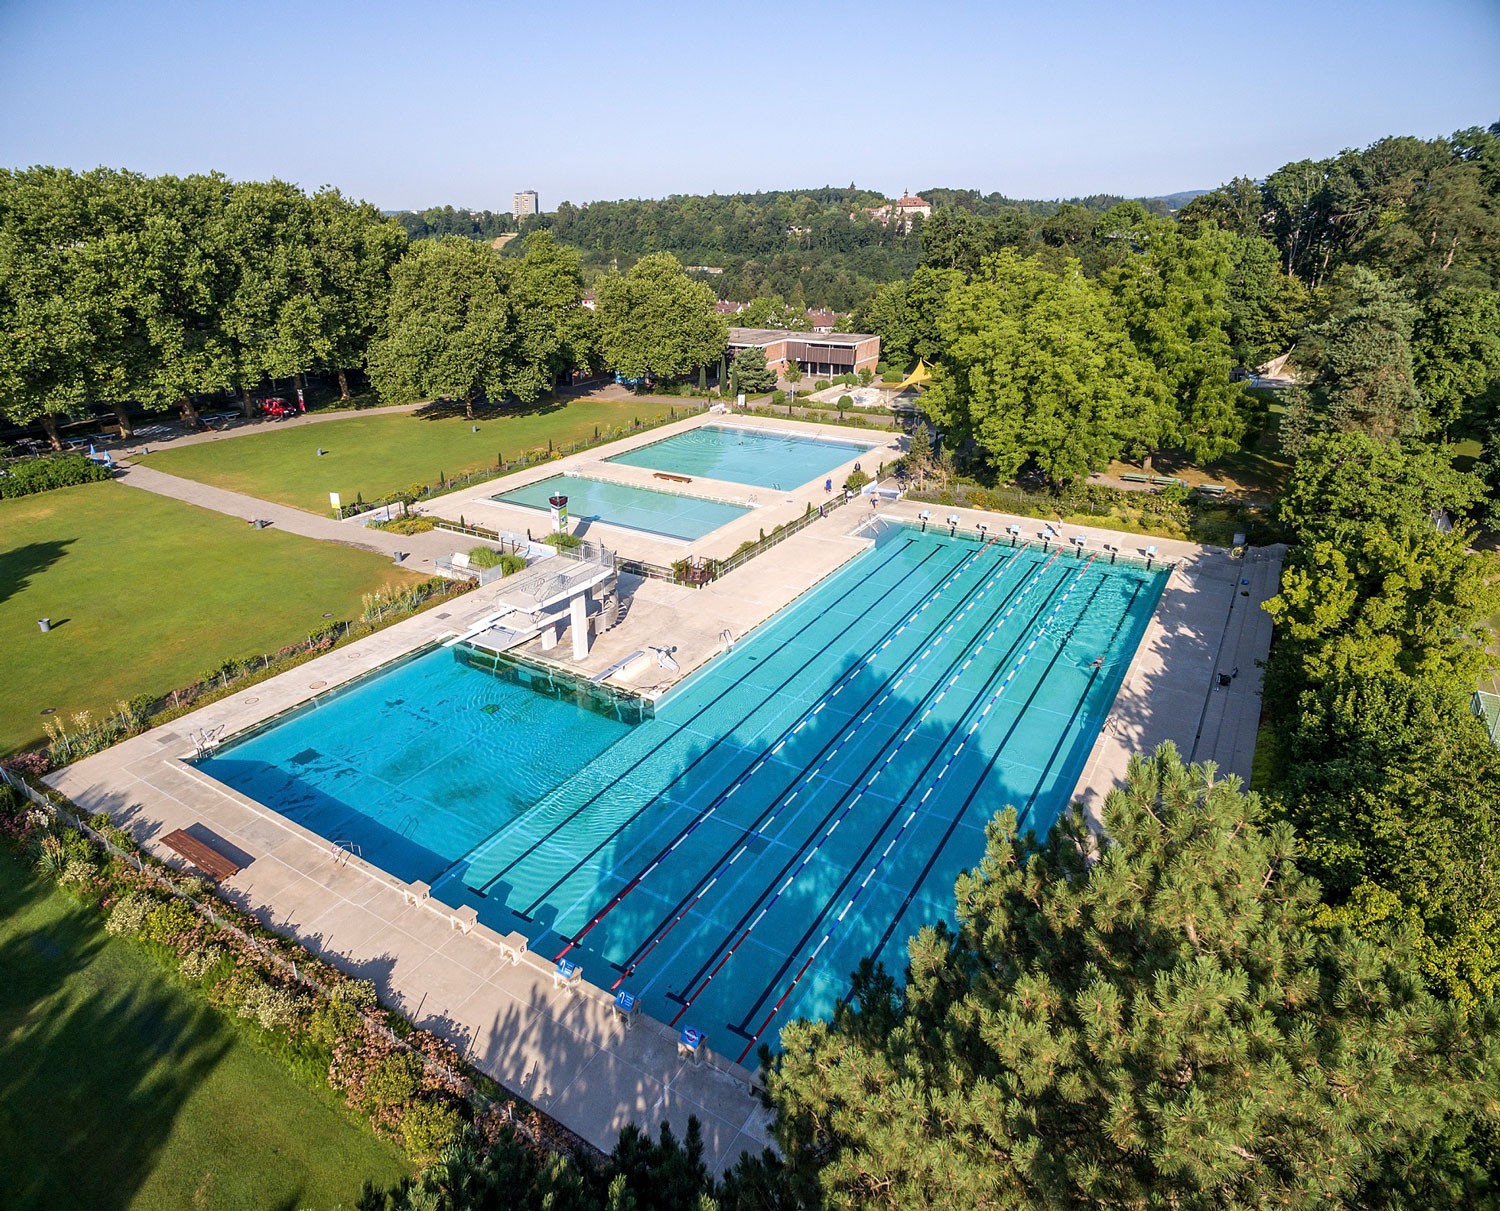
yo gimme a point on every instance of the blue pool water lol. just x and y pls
(745, 456)
(798, 803)
(670, 513)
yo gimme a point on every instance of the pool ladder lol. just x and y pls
(726, 639)
(342, 851)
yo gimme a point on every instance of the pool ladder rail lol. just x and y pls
(343, 850)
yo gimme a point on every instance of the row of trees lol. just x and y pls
(126, 290)
(117, 287)
(465, 324)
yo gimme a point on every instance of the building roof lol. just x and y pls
(909, 200)
(760, 337)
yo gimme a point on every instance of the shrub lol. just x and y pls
(856, 481)
(487, 557)
(429, 1127)
(170, 922)
(271, 1006)
(563, 542)
(778, 396)
(845, 402)
(393, 1081)
(404, 525)
(198, 962)
(359, 995)
(128, 917)
(822, 385)
(45, 474)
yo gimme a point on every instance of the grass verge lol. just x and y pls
(119, 1089)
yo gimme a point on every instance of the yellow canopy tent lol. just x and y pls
(920, 377)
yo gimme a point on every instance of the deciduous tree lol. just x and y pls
(657, 322)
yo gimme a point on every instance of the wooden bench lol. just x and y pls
(202, 855)
(1131, 477)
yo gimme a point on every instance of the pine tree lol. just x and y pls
(1148, 1021)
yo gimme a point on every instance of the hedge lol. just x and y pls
(43, 474)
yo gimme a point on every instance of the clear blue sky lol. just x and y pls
(412, 105)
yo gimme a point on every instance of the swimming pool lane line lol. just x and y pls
(667, 739)
(782, 799)
(965, 562)
(845, 680)
(891, 634)
(990, 765)
(791, 869)
(905, 797)
(974, 790)
(891, 844)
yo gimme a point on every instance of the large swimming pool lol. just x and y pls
(745, 456)
(802, 801)
(672, 514)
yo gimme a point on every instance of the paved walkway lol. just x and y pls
(422, 550)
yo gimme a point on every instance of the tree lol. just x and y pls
(1394, 788)
(1456, 355)
(1362, 351)
(1267, 308)
(1038, 367)
(556, 332)
(449, 331)
(792, 374)
(355, 250)
(748, 372)
(1174, 299)
(657, 322)
(1162, 1027)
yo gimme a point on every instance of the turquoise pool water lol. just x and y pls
(798, 803)
(745, 456)
(670, 513)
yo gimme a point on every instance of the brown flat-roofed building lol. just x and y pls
(828, 354)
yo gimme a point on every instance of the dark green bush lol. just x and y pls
(44, 474)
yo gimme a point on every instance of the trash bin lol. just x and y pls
(44, 623)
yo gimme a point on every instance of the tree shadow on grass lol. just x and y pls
(444, 409)
(19, 564)
(93, 1073)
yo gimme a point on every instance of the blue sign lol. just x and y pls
(625, 1002)
(567, 968)
(690, 1038)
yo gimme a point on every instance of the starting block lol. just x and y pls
(690, 1045)
(566, 974)
(627, 1008)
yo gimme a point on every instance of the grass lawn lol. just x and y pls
(146, 593)
(374, 456)
(120, 1089)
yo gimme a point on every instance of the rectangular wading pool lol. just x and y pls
(671, 514)
(745, 456)
(800, 802)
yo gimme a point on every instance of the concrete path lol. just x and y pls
(422, 550)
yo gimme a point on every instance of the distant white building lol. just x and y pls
(525, 203)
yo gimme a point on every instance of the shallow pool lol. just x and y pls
(671, 514)
(746, 456)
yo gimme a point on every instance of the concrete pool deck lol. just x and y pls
(561, 1047)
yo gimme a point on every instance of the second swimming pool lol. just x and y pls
(672, 514)
(802, 801)
(756, 457)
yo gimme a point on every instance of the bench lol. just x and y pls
(1169, 481)
(1131, 477)
(200, 854)
(1212, 489)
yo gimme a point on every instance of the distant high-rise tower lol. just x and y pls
(523, 204)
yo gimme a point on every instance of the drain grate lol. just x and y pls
(440, 617)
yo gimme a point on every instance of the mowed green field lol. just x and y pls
(121, 1090)
(375, 456)
(146, 593)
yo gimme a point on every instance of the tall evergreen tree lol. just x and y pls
(1148, 1021)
